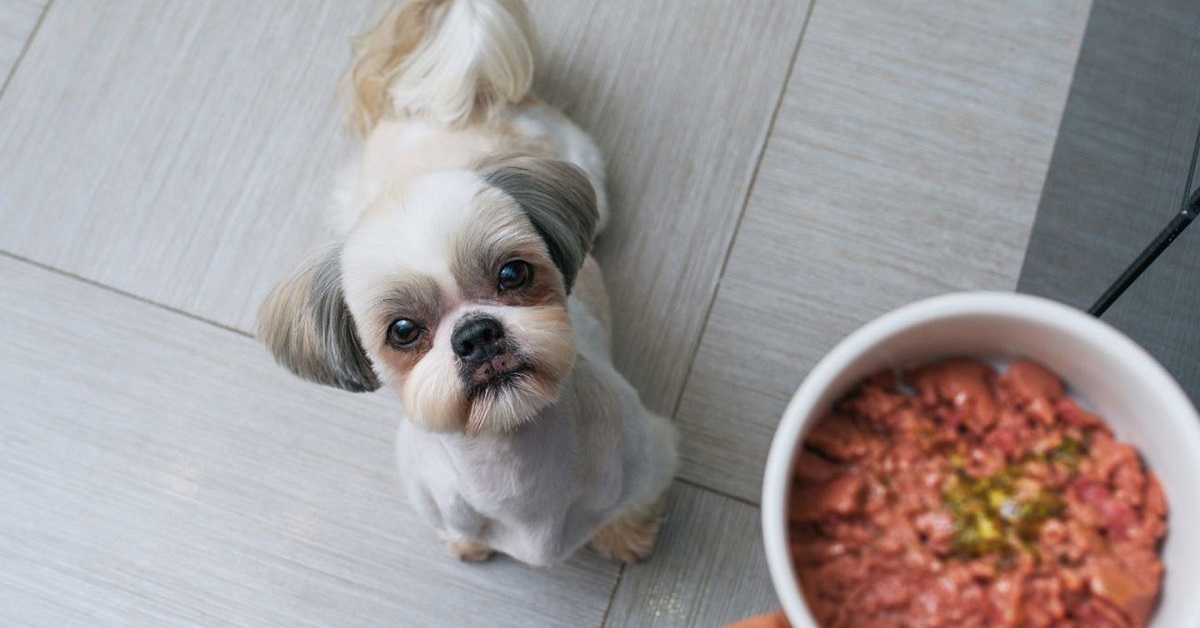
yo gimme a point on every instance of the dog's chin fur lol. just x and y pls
(505, 406)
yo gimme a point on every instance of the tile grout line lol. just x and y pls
(128, 295)
(612, 598)
(37, 27)
(730, 496)
(762, 153)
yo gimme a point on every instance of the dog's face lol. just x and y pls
(453, 291)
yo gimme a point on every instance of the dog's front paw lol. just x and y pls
(631, 536)
(467, 551)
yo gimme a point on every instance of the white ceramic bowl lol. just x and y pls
(1102, 367)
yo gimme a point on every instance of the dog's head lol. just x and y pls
(452, 290)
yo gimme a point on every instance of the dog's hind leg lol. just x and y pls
(630, 536)
(466, 550)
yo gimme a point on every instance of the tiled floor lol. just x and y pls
(781, 172)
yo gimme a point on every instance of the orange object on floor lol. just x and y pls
(774, 620)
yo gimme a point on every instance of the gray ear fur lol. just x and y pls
(559, 200)
(308, 328)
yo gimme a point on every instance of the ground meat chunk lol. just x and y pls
(963, 384)
(1031, 381)
(984, 499)
(841, 496)
(839, 439)
(1131, 585)
(811, 467)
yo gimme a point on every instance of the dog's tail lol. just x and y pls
(449, 60)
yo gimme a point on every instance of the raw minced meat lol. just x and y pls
(954, 495)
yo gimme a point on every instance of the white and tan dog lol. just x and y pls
(464, 282)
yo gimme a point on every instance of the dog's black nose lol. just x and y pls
(477, 339)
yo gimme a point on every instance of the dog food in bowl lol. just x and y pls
(956, 495)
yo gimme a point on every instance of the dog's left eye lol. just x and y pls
(515, 274)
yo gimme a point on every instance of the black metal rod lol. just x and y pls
(1148, 255)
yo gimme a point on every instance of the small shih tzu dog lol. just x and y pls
(462, 279)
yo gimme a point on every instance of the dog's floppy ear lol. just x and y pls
(307, 327)
(559, 200)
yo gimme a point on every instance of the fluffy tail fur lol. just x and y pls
(449, 60)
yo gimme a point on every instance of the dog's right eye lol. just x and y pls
(403, 332)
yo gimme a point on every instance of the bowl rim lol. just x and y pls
(777, 472)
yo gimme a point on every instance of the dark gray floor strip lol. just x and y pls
(1118, 176)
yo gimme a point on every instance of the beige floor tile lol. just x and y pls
(179, 151)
